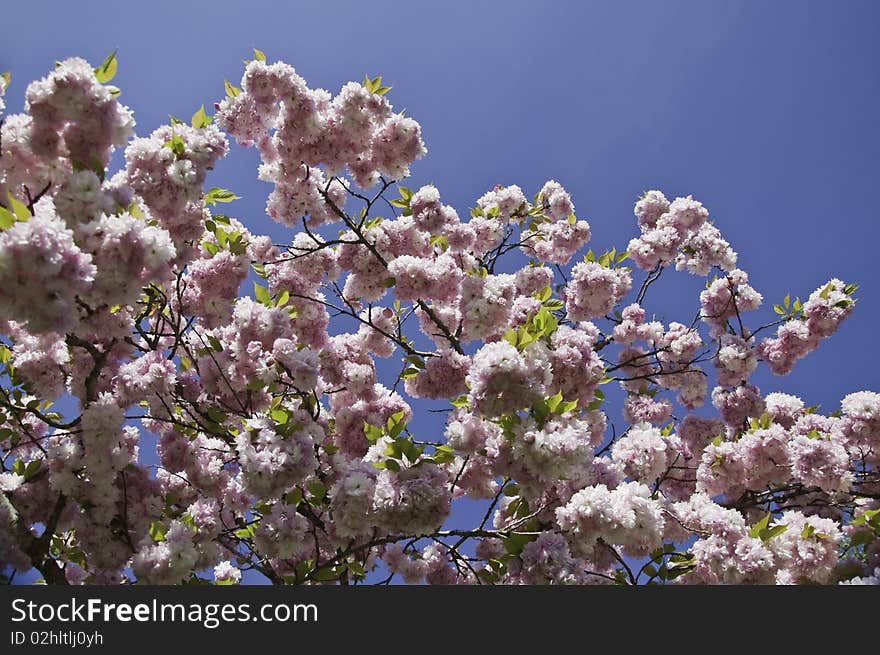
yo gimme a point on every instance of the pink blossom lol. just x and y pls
(503, 380)
(593, 290)
(42, 270)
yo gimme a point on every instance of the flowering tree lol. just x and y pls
(281, 450)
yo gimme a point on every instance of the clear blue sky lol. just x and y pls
(765, 111)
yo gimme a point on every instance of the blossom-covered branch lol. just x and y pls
(134, 312)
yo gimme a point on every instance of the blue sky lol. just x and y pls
(765, 111)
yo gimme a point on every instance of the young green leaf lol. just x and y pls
(280, 416)
(200, 119)
(231, 90)
(261, 293)
(7, 219)
(21, 211)
(106, 70)
(157, 531)
(216, 195)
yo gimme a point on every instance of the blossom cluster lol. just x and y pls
(215, 432)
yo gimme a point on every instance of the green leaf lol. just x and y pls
(236, 245)
(261, 293)
(443, 455)
(32, 468)
(768, 533)
(374, 85)
(216, 195)
(553, 401)
(755, 529)
(7, 77)
(356, 569)
(259, 55)
(325, 574)
(200, 119)
(372, 433)
(317, 489)
(406, 448)
(294, 497)
(247, 532)
(177, 145)
(409, 372)
(515, 543)
(157, 531)
(866, 517)
(135, 210)
(19, 209)
(395, 425)
(217, 415)
(674, 572)
(7, 219)
(231, 90)
(779, 310)
(763, 531)
(566, 407)
(280, 416)
(440, 241)
(106, 70)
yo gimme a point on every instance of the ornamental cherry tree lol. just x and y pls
(126, 321)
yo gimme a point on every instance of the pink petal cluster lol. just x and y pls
(593, 290)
